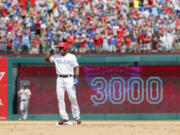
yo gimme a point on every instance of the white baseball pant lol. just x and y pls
(24, 109)
(62, 85)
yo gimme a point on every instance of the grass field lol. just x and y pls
(91, 128)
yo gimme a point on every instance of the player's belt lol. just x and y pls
(23, 100)
(64, 76)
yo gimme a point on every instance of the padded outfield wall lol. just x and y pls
(110, 87)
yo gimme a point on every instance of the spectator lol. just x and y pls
(50, 20)
(146, 43)
(155, 43)
(112, 43)
(177, 44)
(15, 43)
(105, 44)
(163, 42)
(40, 47)
(38, 27)
(170, 39)
(127, 42)
(118, 44)
(82, 44)
(70, 40)
(90, 44)
(98, 42)
(136, 4)
(77, 44)
(9, 43)
(134, 41)
(35, 44)
(25, 45)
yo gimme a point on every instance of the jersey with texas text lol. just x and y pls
(64, 64)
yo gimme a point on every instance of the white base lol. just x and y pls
(66, 123)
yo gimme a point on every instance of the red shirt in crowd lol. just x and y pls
(3, 12)
(150, 2)
(104, 17)
(166, 9)
(82, 42)
(10, 26)
(70, 39)
(98, 41)
(141, 37)
(119, 43)
(127, 40)
(146, 39)
(120, 32)
(9, 42)
(35, 43)
(38, 25)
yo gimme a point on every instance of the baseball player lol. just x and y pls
(24, 95)
(67, 70)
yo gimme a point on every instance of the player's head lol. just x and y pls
(62, 48)
(25, 85)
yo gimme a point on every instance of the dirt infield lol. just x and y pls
(91, 128)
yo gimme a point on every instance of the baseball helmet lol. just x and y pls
(62, 45)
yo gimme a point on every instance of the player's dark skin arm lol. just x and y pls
(47, 56)
(76, 71)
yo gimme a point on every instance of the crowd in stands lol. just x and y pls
(115, 26)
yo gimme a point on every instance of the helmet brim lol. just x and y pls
(61, 45)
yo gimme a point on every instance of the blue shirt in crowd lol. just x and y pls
(112, 41)
(25, 40)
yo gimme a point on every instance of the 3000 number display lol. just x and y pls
(135, 90)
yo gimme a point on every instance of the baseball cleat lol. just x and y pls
(78, 121)
(61, 122)
(20, 119)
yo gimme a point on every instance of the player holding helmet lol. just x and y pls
(67, 70)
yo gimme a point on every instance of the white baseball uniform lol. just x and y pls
(65, 82)
(24, 102)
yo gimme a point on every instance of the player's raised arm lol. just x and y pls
(49, 54)
(47, 57)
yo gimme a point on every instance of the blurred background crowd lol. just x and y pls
(115, 26)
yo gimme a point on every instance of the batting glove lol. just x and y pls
(76, 80)
(51, 50)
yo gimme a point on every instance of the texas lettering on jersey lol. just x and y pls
(64, 61)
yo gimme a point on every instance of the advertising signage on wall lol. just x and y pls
(3, 88)
(108, 89)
